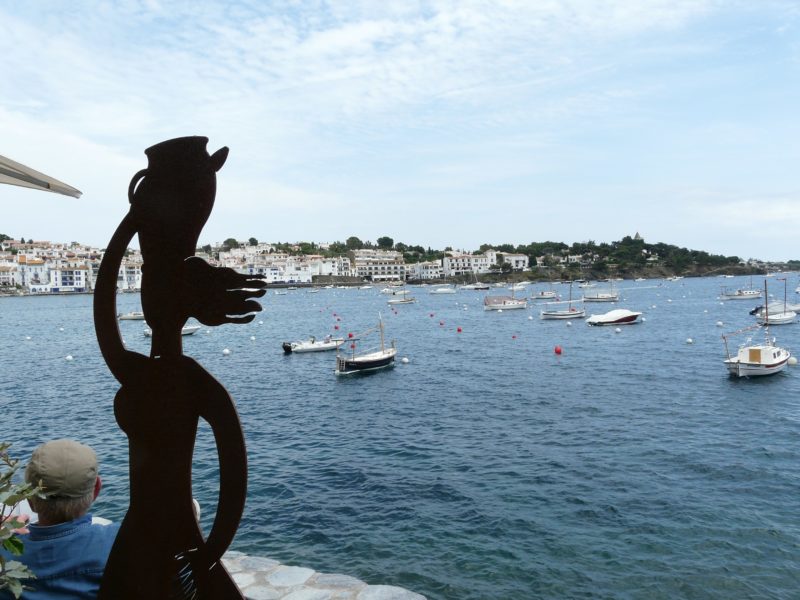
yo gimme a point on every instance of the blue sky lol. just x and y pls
(439, 123)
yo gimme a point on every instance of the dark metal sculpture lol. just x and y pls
(160, 551)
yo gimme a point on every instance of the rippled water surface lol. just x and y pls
(630, 466)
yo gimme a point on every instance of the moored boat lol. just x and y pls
(562, 313)
(135, 315)
(618, 316)
(504, 303)
(312, 344)
(348, 363)
(755, 360)
(185, 330)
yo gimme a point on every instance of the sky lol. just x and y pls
(436, 123)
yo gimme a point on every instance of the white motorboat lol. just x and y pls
(365, 287)
(519, 287)
(446, 289)
(504, 303)
(753, 360)
(135, 315)
(185, 330)
(742, 294)
(618, 316)
(348, 363)
(312, 344)
(544, 295)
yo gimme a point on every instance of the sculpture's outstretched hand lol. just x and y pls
(217, 295)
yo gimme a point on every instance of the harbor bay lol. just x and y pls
(630, 465)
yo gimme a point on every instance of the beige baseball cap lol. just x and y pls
(65, 468)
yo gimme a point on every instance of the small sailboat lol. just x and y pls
(348, 363)
(504, 302)
(603, 296)
(772, 314)
(562, 313)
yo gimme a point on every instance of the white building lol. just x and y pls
(463, 264)
(379, 265)
(425, 270)
(8, 275)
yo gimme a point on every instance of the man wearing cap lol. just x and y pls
(64, 549)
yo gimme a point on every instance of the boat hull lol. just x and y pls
(615, 317)
(503, 303)
(309, 346)
(365, 363)
(562, 314)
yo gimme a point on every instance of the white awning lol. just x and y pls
(14, 173)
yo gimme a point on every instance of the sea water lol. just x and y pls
(487, 466)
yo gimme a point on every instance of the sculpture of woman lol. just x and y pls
(160, 551)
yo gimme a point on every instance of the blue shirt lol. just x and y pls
(68, 559)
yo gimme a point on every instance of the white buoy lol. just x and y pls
(208, 331)
(644, 319)
(261, 322)
(27, 337)
(720, 323)
(530, 318)
(669, 299)
(569, 323)
(653, 306)
(404, 360)
(617, 330)
(498, 310)
(792, 360)
(61, 329)
(226, 352)
(689, 341)
(252, 338)
(68, 357)
(705, 311)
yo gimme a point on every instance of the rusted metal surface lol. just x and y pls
(160, 551)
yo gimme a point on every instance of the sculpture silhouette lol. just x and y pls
(160, 551)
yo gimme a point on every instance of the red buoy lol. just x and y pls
(349, 335)
(336, 327)
(458, 330)
(557, 350)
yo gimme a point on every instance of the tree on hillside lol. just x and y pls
(253, 241)
(385, 243)
(353, 243)
(229, 244)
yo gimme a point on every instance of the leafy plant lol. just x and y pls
(12, 572)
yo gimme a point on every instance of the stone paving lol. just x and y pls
(267, 579)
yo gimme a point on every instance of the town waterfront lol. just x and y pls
(629, 466)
